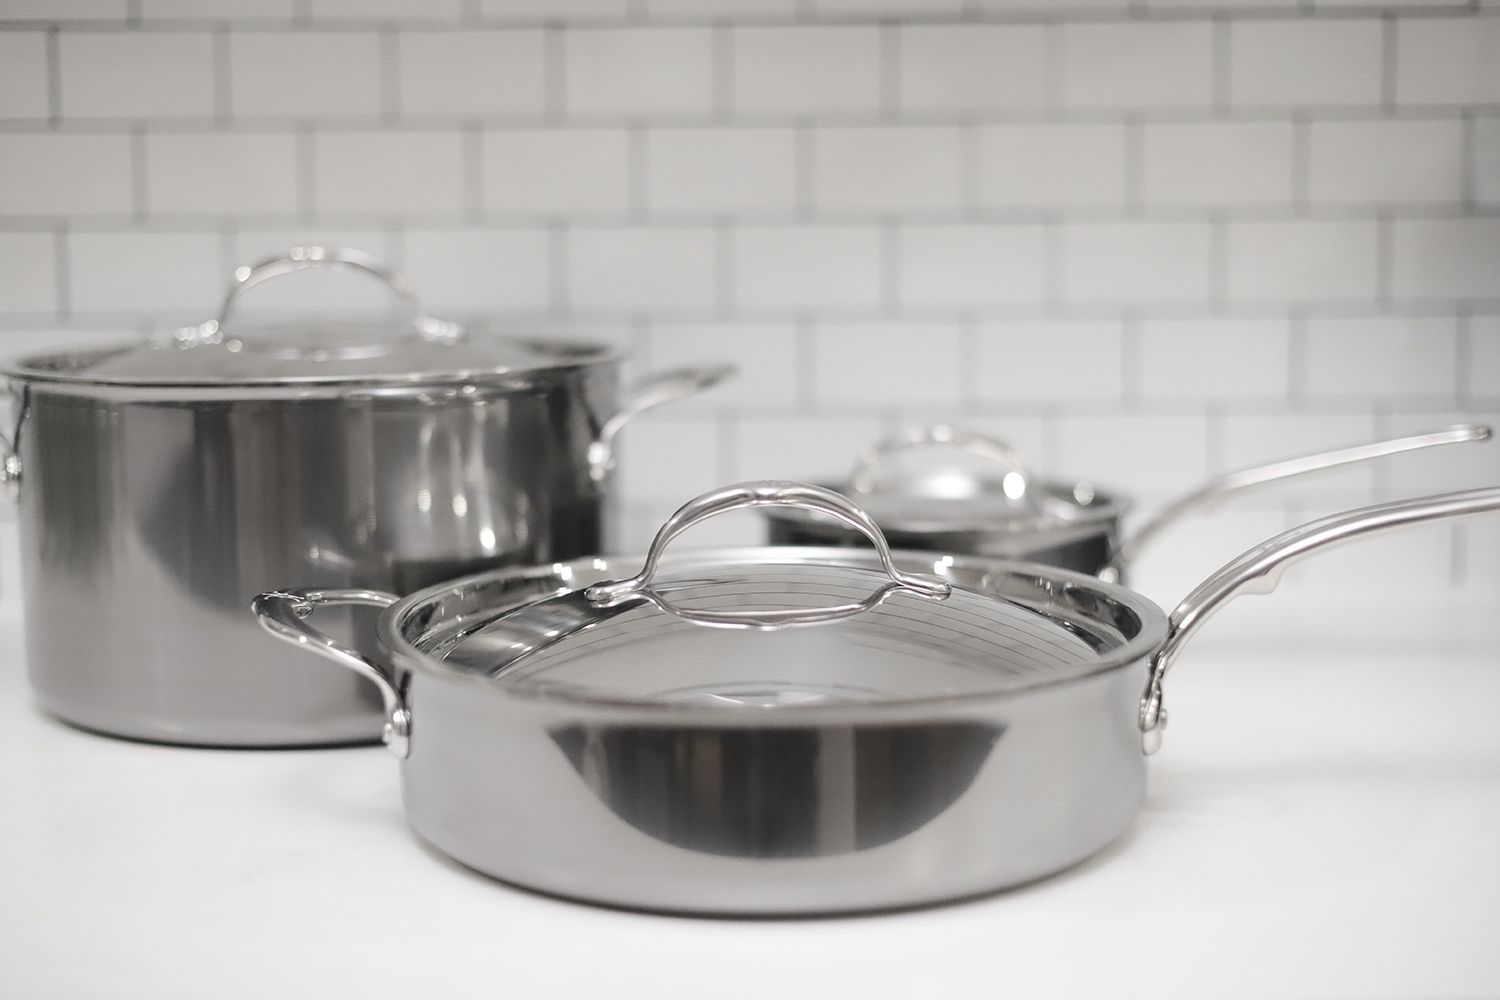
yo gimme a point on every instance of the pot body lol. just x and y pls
(147, 525)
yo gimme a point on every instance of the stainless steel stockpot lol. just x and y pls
(784, 730)
(162, 485)
(996, 507)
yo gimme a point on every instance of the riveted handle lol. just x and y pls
(765, 493)
(922, 437)
(285, 614)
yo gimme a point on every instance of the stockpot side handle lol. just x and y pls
(923, 436)
(1218, 488)
(766, 493)
(653, 391)
(10, 448)
(1258, 571)
(285, 614)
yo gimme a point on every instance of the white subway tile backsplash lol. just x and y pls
(1161, 64)
(395, 10)
(542, 172)
(1218, 163)
(1446, 258)
(638, 72)
(1052, 6)
(815, 448)
(28, 281)
(72, 10)
(473, 72)
(764, 353)
(1302, 261)
(642, 270)
(1449, 61)
(1215, 359)
(970, 68)
(863, 9)
(461, 271)
(892, 363)
(174, 277)
(1045, 361)
(1466, 466)
(559, 11)
(1136, 262)
(1386, 161)
(1484, 165)
(1381, 357)
(1151, 456)
(303, 74)
(971, 266)
(65, 174)
(23, 74)
(384, 173)
(888, 169)
(136, 75)
(250, 173)
(1482, 373)
(1301, 63)
(805, 71)
(721, 170)
(672, 458)
(738, 10)
(217, 10)
(803, 268)
(1254, 439)
(1052, 166)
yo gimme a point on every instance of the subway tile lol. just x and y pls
(176, 277)
(1052, 166)
(217, 10)
(886, 8)
(385, 10)
(1214, 359)
(1484, 165)
(806, 70)
(476, 270)
(1480, 542)
(472, 72)
(669, 457)
(1135, 262)
(1163, 64)
(540, 172)
(817, 448)
(558, 11)
(1305, 63)
(136, 74)
(720, 170)
(385, 173)
(807, 267)
(1465, 466)
(66, 10)
(221, 173)
(641, 270)
(1248, 440)
(1483, 369)
(1069, 7)
(882, 364)
(1386, 161)
(639, 72)
(65, 174)
(28, 281)
(1220, 163)
(888, 169)
(765, 355)
(1381, 357)
(1149, 456)
(1303, 261)
(336, 73)
(1451, 60)
(734, 10)
(971, 266)
(315, 292)
(1050, 360)
(971, 68)
(1446, 258)
(23, 74)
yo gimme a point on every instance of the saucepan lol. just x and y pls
(785, 730)
(991, 504)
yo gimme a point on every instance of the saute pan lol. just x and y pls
(785, 730)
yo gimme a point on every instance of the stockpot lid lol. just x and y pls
(415, 349)
(782, 628)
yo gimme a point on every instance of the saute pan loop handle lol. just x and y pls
(1001, 453)
(765, 493)
(1258, 570)
(285, 613)
(656, 390)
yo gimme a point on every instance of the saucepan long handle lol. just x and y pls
(1258, 570)
(1223, 486)
(656, 390)
(285, 614)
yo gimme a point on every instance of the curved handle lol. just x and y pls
(1001, 453)
(765, 493)
(663, 387)
(301, 258)
(1258, 570)
(1245, 479)
(10, 445)
(284, 614)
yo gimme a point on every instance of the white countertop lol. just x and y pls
(1318, 825)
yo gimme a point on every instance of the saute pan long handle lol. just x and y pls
(656, 390)
(1245, 479)
(285, 613)
(1258, 570)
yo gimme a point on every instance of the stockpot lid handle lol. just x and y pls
(1015, 483)
(301, 258)
(765, 493)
